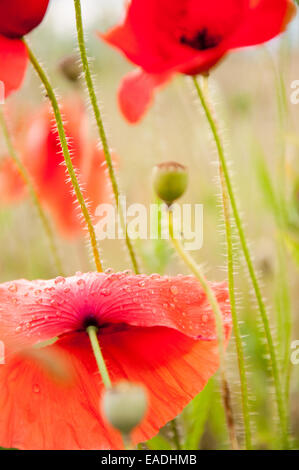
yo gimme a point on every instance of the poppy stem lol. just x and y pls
(194, 268)
(35, 199)
(101, 130)
(67, 157)
(226, 180)
(92, 333)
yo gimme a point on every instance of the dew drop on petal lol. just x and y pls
(59, 280)
(105, 292)
(108, 271)
(155, 276)
(36, 388)
(174, 290)
(13, 288)
(127, 272)
(204, 318)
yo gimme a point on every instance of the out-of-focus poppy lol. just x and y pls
(164, 37)
(41, 154)
(153, 330)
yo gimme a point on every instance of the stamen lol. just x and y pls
(202, 40)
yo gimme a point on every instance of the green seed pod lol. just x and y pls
(170, 180)
(124, 406)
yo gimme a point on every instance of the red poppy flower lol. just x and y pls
(158, 331)
(17, 18)
(41, 154)
(164, 37)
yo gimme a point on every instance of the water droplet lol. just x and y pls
(66, 290)
(204, 318)
(13, 288)
(108, 271)
(155, 276)
(80, 282)
(59, 280)
(36, 388)
(105, 292)
(127, 272)
(174, 290)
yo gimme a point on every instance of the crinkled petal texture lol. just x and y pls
(19, 17)
(157, 331)
(13, 64)
(189, 36)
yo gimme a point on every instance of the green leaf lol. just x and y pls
(197, 413)
(293, 247)
(159, 443)
(264, 179)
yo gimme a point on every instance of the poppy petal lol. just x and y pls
(18, 18)
(264, 21)
(35, 311)
(40, 412)
(136, 93)
(12, 186)
(13, 60)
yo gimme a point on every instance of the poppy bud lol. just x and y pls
(124, 406)
(70, 68)
(170, 181)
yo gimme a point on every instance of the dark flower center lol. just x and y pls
(202, 40)
(90, 320)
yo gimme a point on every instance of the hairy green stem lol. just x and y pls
(274, 362)
(67, 157)
(101, 130)
(34, 196)
(189, 261)
(231, 287)
(93, 336)
(175, 434)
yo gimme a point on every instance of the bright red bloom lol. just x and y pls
(41, 154)
(154, 330)
(17, 18)
(164, 37)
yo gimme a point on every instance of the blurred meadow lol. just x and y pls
(260, 127)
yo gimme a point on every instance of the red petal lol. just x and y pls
(12, 187)
(40, 412)
(136, 93)
(98, 186)
(45, 162)
(152, 33)
(39, 310)
(163, 36)
(265, 20)
(13, 60)
(19, 17)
